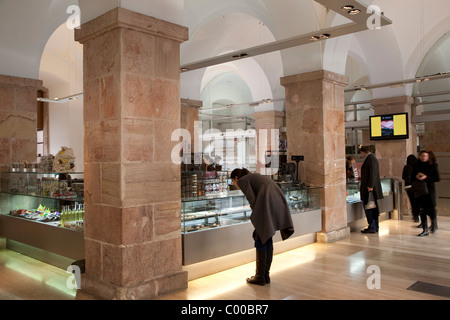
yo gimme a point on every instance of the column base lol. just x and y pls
(333, 236)
(93, 288)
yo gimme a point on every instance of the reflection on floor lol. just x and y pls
(364, 266)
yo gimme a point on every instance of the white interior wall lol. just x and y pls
(62, 74)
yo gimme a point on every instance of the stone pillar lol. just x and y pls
(18, 114)
(267, 120)
(315, 127)
(392, 154)
(189, 115)
(132, 188)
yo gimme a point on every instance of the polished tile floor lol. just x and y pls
(369, 267)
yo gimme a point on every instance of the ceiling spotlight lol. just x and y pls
(325, 36)
(184, 69)
(347, 8)
(354, 11)
(314, 38)
(240, 56)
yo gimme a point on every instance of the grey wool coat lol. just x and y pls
(270, 210)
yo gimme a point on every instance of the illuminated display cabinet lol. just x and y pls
(390, 205)
(219, 225)
(30, 216)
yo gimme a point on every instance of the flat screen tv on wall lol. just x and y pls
(389, 126)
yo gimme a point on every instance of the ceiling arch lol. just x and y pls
(25, 27)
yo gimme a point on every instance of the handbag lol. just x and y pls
(420, 188)
(371, 204)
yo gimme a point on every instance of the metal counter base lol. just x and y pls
(214, 250)
(50, 244)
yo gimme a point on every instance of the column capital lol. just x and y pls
(20, 82)
(324, 75)
(124, 18)
(272, 113)
(189, 103)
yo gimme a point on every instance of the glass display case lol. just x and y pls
(230, 208)
(203, 213)
(218, 225)
(388, 206)
(353, 195)
(41, 215)
(54, 198)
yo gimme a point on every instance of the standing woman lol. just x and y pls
(426, 170)
(370, 182)
(407, 177)
(270, 212)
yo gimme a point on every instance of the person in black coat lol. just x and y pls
(370, 182)
(426, 169)
(407, 177)
(270, 212)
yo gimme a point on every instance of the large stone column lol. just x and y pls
(18, 114)
(132, 188)
(268, 120)
(190, 115)
(392, 154)
(315, 127)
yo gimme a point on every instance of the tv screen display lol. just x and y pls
(389, 126)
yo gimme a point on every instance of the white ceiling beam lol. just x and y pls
(359, 23)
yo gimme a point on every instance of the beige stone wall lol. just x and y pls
(18, 114)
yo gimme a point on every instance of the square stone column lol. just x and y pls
(268, 120)
(392, 154)
(315, 125)
(190, 115)
(18, 116)
(132, 188)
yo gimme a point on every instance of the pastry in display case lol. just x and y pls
(229, 208)
(43, 213)
(219, 224)
(204, 213)
(43, 197)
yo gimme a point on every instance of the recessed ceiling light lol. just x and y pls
(314, 38)
(325, 35)
(354, 11)
(239, 56)
(184, 69)
(347, 8)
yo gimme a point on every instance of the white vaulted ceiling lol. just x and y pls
(219, 27)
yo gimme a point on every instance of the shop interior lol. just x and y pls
(228, 98)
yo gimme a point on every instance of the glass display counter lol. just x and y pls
(355, 212)
(219, 225)
(43, 211)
